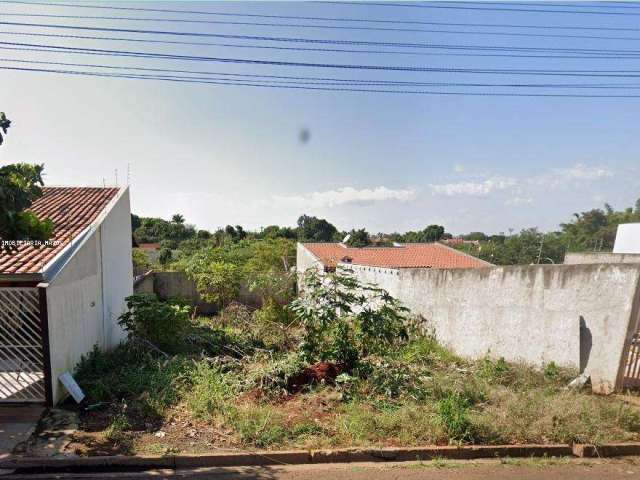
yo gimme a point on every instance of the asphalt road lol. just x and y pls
(619, 469)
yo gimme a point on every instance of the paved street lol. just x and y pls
(620, 469)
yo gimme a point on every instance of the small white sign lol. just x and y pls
(72, 386)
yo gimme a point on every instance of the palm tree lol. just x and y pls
(177, 218)
(5, 123)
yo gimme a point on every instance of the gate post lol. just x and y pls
(46, 353)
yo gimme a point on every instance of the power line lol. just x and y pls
(334, 19)
(547, 4)
(124, 53)
(332, 80)
(333, 27)
(458, 7)
(338, 50)
(321, 88)
(333, 42)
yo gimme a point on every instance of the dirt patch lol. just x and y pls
(320, 373)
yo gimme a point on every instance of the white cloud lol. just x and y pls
(578, 173)
(482, 188)
(519, 201)
(346, 196)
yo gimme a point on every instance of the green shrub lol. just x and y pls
(551, 371)
(161, 323)
(131, 372)
(453, 413)
(211, 391)
(115, 432)
(344, 320)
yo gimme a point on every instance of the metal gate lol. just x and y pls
(632, 368)
(22, 359)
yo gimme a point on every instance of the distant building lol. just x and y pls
(326, 256)
(151, 250)
(627, 238)
(460, 241)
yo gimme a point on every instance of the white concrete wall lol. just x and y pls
(578, 258)
(627, 238)
(305, 260)
(87, 294)
(526, 313)
(117, 271)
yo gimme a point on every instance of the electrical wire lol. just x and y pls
(124, 53)
(331, 80)
(323, 88)
(324, 50)
(334, 19)
(459, 7)
(333, 27)
(331, 41)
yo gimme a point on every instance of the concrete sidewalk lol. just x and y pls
(17, 422)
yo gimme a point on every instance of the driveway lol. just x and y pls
(16, 424)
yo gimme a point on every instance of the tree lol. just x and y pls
(20, 186)
(5, 123)
(359, 238)
(177, 218)
(155, 230)
(313, 229)
(344, 320)
(432, 233)
(165, 256)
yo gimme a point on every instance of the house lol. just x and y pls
(59, 299)
(326, 256)
(627, 238)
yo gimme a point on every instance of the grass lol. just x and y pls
(233, 393)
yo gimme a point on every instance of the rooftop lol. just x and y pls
(407, 255)
(72, 210)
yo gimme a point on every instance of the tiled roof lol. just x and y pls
(407, 255)
(71, 209)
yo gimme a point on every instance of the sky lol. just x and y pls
(254, 156)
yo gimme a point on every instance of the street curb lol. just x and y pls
(300, 457)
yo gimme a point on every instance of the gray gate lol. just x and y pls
(632, 368)
(21, 348)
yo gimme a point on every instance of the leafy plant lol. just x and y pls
(20, 186)
(344, 320)
(454, 417)
(161, 323)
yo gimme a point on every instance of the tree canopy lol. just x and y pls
(20, 186)
(314, 229)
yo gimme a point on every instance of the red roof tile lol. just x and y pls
(71, 209)
(408, 255)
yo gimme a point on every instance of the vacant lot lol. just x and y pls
(335, 368)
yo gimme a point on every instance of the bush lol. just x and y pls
(210, 392)
(344, 320)
(453, 414)
(161, 323)
(131, 373)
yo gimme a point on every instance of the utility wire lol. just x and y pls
(545, 4)
(459, 7)
(124, 53)
(331, 80)
(334, 19)
(322, 88)
(323, 50)
(333, 27)
(334, 42)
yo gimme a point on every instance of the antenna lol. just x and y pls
(128, 173)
